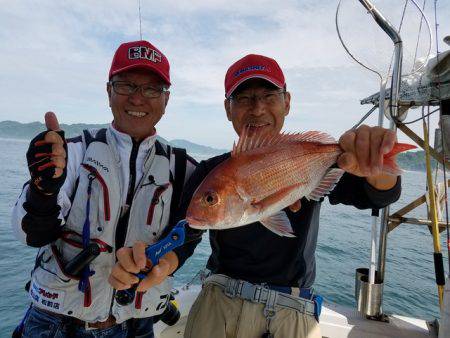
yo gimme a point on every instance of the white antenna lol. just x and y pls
(140, 20)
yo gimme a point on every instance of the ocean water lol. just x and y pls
(343, 246)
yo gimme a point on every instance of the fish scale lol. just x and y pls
(284, 170)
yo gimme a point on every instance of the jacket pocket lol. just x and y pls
(50, 288)
(155, 201)
(159, 210)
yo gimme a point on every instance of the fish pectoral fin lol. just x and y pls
(279, 223)
(266, 202)
(327, 184)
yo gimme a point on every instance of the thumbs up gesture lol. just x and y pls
(46, 157)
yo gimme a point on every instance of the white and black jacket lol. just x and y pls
(116, 192)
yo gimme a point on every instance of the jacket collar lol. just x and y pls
(125, 141)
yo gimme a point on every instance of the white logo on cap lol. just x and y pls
(142, 52)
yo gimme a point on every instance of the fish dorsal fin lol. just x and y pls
(246, 143)
(327, 184)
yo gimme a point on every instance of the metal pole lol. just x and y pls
(398, 55)
(382, 244)
(393, 110)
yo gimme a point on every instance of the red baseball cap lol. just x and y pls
(253, 66)
(140, 54)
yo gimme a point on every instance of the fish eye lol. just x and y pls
(210, 198)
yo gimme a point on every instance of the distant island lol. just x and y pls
(411, 160)
(26, 131)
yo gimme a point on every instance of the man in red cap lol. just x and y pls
(261, 283)
(103, 196)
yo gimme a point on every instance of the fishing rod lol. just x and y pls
(437, 256)
(443, 109)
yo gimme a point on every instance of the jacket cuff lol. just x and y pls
(382, 198)
(40, 204)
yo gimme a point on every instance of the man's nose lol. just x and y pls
(136, 98)
(258, 107)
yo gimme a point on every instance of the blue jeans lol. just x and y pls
(40, 324)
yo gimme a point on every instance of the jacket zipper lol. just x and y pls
(102, 182)
(122, 226)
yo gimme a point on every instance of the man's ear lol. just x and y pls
(287, 103)
(226, 104)
(109, 91)
(166, 98)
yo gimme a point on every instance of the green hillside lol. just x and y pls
(412, 160)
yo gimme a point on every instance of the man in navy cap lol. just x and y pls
(261, 283)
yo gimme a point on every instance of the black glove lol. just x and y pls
(41, 223)
(40, 165)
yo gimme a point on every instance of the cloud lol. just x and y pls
(56, 56)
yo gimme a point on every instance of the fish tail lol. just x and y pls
(389, 163)
(399, 148)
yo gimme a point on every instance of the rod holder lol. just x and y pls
(368, 296)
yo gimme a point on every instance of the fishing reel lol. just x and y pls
(171, 313)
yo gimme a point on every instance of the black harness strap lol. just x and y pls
(180, 174)
(177, 183)
(100, 136)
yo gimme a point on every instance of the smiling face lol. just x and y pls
(259, 106)
(135, 114)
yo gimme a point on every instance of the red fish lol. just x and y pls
(264, 175)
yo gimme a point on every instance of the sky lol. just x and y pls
(55, 56)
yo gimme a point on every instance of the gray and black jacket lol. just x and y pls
(116, 192)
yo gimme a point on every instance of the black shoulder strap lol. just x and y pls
(159, 150)
(100, 136)
(180, 174)
(177, 183)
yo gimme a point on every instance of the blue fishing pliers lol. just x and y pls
(154, 252)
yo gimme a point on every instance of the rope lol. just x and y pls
(399, 30)
(365, 116)
(418, 35)
(345, 47)
(420, 118)
(423, 19)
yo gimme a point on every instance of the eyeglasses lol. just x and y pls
(128, 88)
(268, 98)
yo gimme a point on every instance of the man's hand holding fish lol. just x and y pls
(363, 153)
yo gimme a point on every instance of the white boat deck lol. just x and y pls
(335, 321)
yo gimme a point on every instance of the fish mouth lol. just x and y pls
(195, 223)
